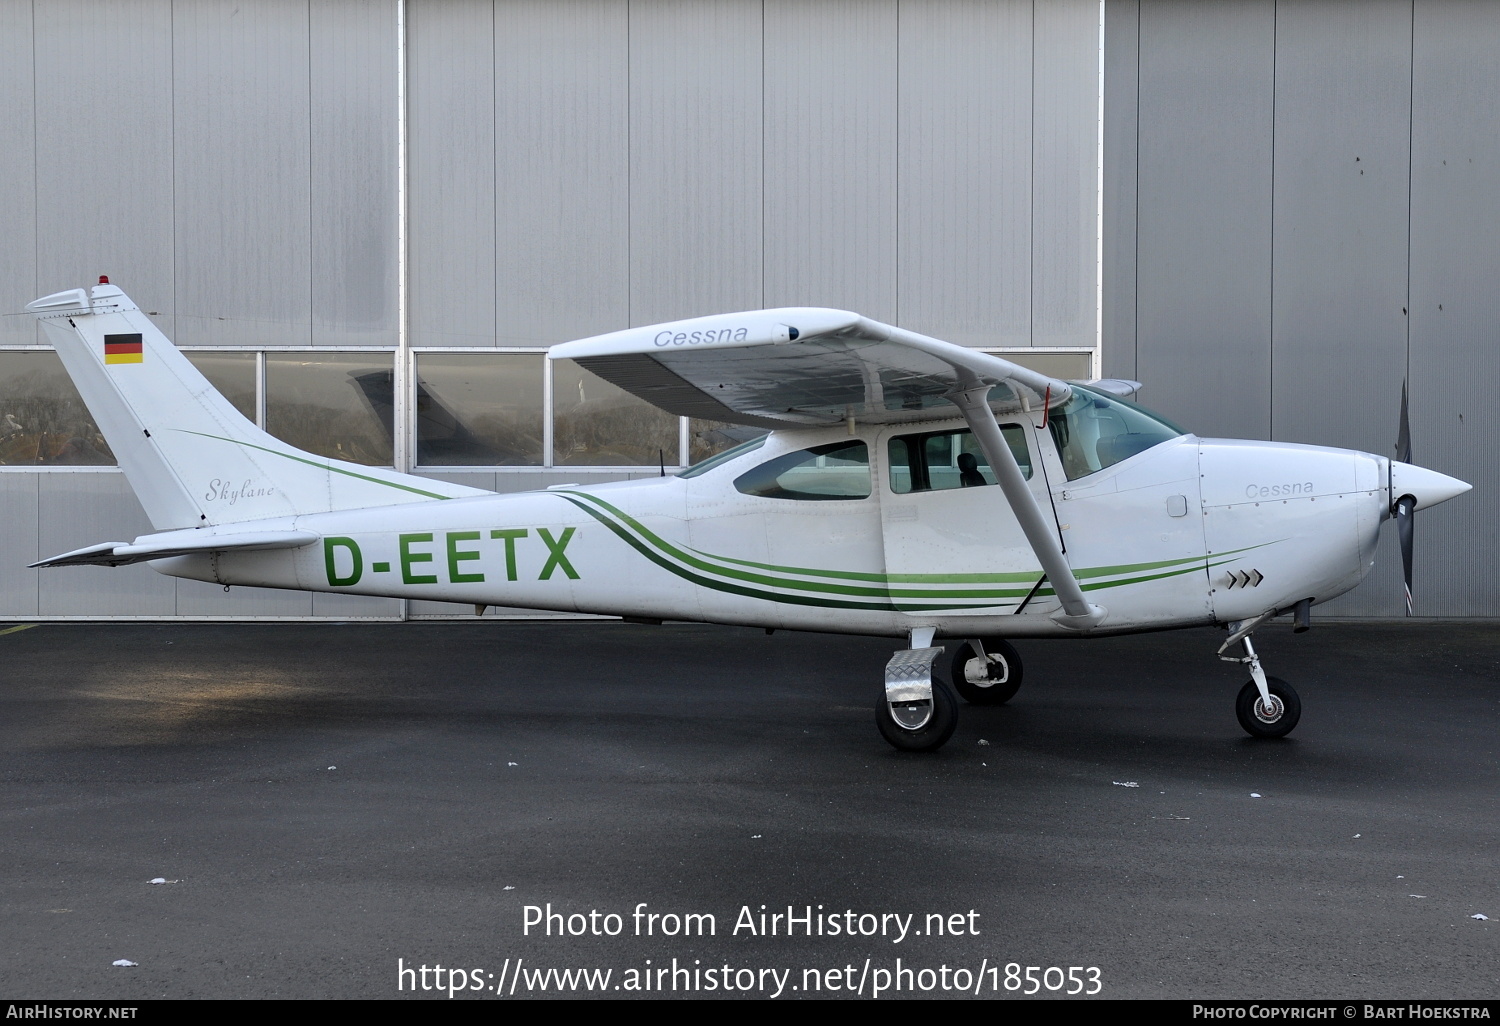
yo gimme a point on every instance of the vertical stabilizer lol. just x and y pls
(191, 457)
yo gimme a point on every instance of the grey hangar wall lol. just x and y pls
(1301, 206)
(927, 162)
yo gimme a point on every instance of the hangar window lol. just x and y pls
(839, 470)
(940, 460)
(43, 421)
(479, 409)
(1093, 431)
(338, 405)
(597, 424)
(233, 376)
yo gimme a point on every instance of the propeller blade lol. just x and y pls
(1403, 436)
(1406, 516)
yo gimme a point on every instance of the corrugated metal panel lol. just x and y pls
(74, 510)
(1122, 23)
(1343, 82)
(450, 60)
(527, 480)
(695, 158)
(354, 607)
(562, 164)
(421, 607)
(965, 187)
(353, 172)
(199, 598)
(1204, 272)
(1065, 173)
(830, 182)
(104, 148)
(1455, 305)
(18, 512)
(480, 479)
(18, 168)
(241, 109)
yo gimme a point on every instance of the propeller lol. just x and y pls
(1405, 509)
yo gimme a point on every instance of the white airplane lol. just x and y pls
(908, 488)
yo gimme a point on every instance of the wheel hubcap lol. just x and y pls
(1269, 712)
(911, 715)
(985, 673)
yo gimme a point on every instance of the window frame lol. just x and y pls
(1027, 472)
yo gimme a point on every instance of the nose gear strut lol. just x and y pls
(1266, 706)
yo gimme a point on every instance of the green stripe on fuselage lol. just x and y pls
(715, 564)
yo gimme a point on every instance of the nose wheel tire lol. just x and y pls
(1278, 719)
(929, 737)
(987, 682)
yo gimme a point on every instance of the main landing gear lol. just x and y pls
(918, 712)
(986, 672)
(1266, 706)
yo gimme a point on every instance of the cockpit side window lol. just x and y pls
(839, 470)
(1094, 431)
(939, 460)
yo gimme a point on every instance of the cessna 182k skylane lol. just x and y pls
(908, 488)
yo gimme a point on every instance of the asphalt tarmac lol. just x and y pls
(1107, 819)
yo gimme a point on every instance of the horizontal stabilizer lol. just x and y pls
(177, 543)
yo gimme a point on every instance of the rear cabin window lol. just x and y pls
(939, 460)
(839, 470)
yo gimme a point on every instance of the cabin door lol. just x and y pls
(952, 544)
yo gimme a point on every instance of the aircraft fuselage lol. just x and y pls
(1190, 531)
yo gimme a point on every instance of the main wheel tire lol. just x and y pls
(930, 736)
(987, 683)
(1277, 721)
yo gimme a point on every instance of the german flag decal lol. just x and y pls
(123, 348)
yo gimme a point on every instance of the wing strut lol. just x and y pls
(973, 401)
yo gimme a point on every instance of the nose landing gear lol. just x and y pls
(1265, 706)
(1274, 716)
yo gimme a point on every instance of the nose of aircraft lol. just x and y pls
(1428, 487)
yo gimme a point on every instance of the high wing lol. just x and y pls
(803, 366)
(807, 366)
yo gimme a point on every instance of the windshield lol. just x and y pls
(720, 459)
(1093, 431)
